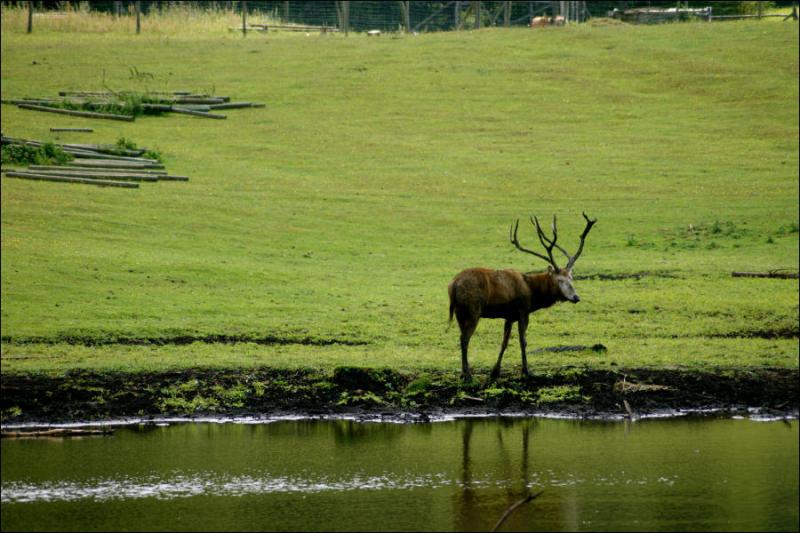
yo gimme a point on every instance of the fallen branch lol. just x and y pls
(514, 507)
(628, 409)
(56, 432)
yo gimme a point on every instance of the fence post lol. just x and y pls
(405, 8)
(477, 10)
(244, 18)
(138, 7)
(30, 16)
(346, 12)
(506, 14)
(457, 15)
(286, 11)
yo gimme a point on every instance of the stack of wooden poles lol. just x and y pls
(95, 164)
(199, 105)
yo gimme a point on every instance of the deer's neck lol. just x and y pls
(544, 290)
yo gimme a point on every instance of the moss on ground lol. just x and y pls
(87, 395)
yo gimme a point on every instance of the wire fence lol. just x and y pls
(401, 16)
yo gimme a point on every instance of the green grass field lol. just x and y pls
(332, 220)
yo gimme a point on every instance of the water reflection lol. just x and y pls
(461, 475)
(469, 504)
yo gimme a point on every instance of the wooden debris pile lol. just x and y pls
(127, 106)
(106, 165)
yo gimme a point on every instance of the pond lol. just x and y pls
(675, 474)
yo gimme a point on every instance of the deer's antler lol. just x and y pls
(515, 242)
(589, 224)
(549, 243)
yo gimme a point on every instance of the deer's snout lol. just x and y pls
(575, 299)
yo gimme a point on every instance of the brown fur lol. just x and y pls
(478, 293)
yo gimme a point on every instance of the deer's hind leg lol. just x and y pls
(467, 322)
(506, 335)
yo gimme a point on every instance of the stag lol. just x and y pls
(478, 293)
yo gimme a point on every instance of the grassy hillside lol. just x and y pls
(323, 229)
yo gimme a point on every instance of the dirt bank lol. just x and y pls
(88, 395)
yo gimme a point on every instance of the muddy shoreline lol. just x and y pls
(265, 394)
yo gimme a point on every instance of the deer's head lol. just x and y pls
(562, 277)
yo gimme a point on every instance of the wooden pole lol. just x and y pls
(244, 18)
(84, 130)
(339, 16)
(111, 163)
(46, 177)
(506, 14)
(405, 7)
(138, 7)
(234, 105)
(285, 11)
(92, 168)
(77, 172)
(346, 13)
(476, 9)
(76, 113)
(457, 15)
(30, 16)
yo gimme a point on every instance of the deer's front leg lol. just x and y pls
(523, 343)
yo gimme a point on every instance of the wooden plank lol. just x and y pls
(87, 114)
(46, 177)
